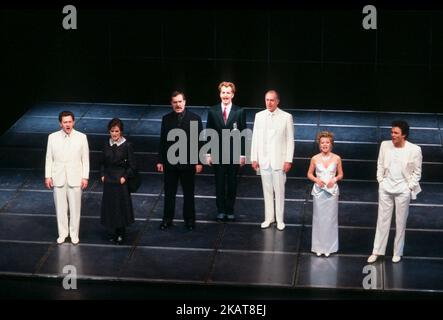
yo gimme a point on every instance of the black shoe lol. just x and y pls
(165, 225)
(220, 217)
(190, 227)
(230, 218)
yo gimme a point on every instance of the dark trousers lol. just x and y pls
(187, 179)
(226, 187)
(119, 232)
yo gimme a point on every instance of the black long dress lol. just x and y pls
(117, 162)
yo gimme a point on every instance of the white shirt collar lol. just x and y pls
(65, 135)
(269, 113)
(119, 142)
(228, 107)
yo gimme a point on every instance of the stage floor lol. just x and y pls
(217, 255)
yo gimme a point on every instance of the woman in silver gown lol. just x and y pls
(328, 170)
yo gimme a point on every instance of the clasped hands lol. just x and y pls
(286, 166)
(50, 184)
(321, 184)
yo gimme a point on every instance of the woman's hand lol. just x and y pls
(320, 183)
(122, 180)
(330, 184)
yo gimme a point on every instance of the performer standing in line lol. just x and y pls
(117, 166)
(226, 116)
(272, 152)
(328, 170)
(398, 174)
(177, 169)
(67, 171)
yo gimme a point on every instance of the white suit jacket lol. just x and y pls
(282, 140)
(410, 166)
(67, 158)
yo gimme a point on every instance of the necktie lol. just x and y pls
(225, 115)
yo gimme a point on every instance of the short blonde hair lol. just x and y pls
(226, 84)
(325, 134)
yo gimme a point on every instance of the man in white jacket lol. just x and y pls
(398, 174)
(272, 151)
(67, 171)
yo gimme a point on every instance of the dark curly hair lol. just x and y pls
(116, 122)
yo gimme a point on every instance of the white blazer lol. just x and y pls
(282, 140)
(67, 158)
(410, 165)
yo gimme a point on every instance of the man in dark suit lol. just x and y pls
(181, 164)
(226, 116)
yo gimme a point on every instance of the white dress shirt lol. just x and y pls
(395, 181)
(228, 109)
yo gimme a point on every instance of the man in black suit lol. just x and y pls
(226, 116)
(183, 163)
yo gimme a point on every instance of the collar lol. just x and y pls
(119, 142)
(269, 113)
(65, 135)
(228, 107)
(180, 114)
(404, 147)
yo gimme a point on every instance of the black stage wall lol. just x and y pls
(316, 58)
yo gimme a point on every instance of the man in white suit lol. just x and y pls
(272, 152)
(67, 171)
(398, 174)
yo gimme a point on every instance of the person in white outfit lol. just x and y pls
(272, 151)
(328, 170)
(398, 174)
(67, 172)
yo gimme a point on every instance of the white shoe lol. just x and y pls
(75, 241)
(372, 258)
(281, 226)
(266, 224)
(327, 254)
(60, 240)
(318, 254)
(396, 259)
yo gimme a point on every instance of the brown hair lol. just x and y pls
(177, 93)
(325, 134)
(403, 125)
(116, 122)
(65, 114)
(226, 84)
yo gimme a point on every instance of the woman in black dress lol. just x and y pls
(118, 164)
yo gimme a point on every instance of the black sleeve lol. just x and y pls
(162, 145)
(131, 167)
(102, 161)
(210, 124)
(242, 126)
(200, 143)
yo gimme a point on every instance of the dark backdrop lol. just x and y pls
(315, 58)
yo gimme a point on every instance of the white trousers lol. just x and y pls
(273, 182)
(386, 203)
(68, 197)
